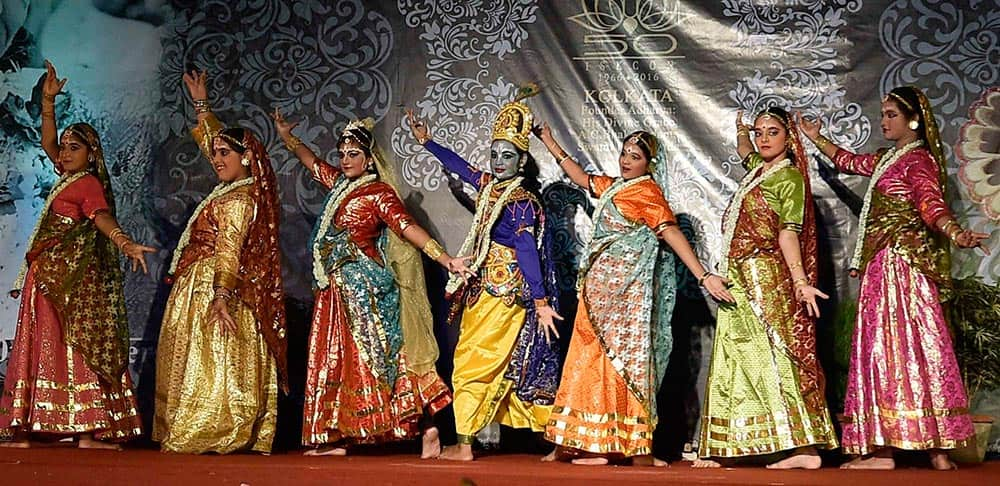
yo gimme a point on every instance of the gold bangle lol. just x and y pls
(423, 140)
(543, 302)
(743, 130)
(433, 249)
(795, 265)
(562, 159)
(223, 293)
(821, 143)
(293, 143)
(800, 282)
(119, 238)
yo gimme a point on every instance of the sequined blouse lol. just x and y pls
(366, 211)
(914, 177)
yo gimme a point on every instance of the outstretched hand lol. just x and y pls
(417, 127)
(718, 287)
(52, 84)
(460, 267)
(137, 254)
(972, 239)
(807, 295)
(196, 82)
(282, 126)
(811, 128)
(546, 319)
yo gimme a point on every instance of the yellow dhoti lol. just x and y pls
(482, 395)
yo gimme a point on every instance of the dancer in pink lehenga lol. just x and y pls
(904, 390)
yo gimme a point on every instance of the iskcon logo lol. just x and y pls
(630, 29)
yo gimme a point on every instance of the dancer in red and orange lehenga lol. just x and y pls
(68, 369)
(372, 351)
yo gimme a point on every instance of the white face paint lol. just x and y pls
(505, 159)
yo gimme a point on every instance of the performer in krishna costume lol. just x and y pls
(506, 361)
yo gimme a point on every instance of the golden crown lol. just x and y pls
(514, 121)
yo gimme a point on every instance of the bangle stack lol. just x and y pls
(800, 282)
(952, 229)
(703, 277)
(201, 106)
(118, 237)
(562, 159)
(821, 142)
(742, 130)
(223, 293)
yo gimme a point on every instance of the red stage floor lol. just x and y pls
(67, 466)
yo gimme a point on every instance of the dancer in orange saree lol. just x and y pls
(605, 409)
(221, 355)
(68, 369)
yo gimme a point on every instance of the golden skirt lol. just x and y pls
(215, 392)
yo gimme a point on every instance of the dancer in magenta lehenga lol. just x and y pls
(904, 389)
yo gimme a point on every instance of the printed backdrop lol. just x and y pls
(681, 69)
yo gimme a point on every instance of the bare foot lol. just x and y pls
(591, 461)
(16, 444)
(88, 442)
(648, 461)
(457, 452)
(705, 464)
(550, 457)
(873, 462)
(326, 451)
(940, 460)
(430, 444)
(798, 461)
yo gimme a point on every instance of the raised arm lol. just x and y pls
(566, 163)
(451, 161)
(843, 159)
(207, 125)
(50, 88)
(284, 128)
(743, 144)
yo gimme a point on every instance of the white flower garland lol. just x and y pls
(220, 190)
(58, 187)
(325, 218)
(888, 159)
(732, 215)
(478, 222)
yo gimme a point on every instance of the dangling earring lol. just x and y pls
(90, 158)
(913, 125)
(370, 167)
(245, 162)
